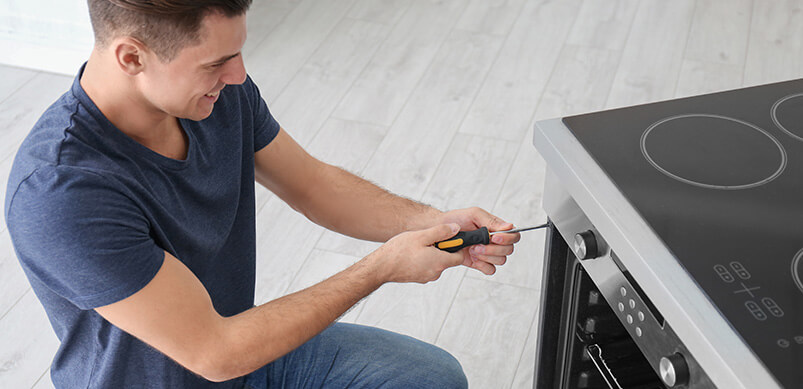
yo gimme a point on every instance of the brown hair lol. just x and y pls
(165, 26)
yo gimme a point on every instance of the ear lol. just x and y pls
(131, 55)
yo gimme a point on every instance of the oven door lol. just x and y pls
(581, 342)
(597, 328)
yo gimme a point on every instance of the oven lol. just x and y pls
(650, 280)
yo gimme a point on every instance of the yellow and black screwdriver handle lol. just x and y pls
(465, 239)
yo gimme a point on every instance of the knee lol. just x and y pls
(445, 370)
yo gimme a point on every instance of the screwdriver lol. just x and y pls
(480, 236)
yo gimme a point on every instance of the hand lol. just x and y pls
(484, 258)
(411, 256)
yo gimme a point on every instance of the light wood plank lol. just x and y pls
(505, 104)
(490, 16)
(580, 83)
(284, 240)
(471, 173)
(717, 45)
(28, 343)
(413, 309)
(316, 90)
(382, 89)
(44, 382)
(520, 203)
(275, 61)
(407, 157)
(321, 265)
(262, 18)
(653, 54)
(5, 171)
(380, 11)
(347, 144)
(603, 24)
(289, 4)
(13, 283)
(719, 31)
(11, 79)
(263, 195)
(697, 77)
(776, 41)
(487, 316)
(525, 372)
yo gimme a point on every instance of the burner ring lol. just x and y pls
(774, 114)
(666, 172)
(795, 270)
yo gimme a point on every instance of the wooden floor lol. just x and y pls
(435, 100)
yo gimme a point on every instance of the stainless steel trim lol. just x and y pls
(695, 320)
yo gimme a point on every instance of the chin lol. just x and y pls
(199, 115)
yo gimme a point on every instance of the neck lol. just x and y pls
(116, 95)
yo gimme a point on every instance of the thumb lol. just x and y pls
(440, 232)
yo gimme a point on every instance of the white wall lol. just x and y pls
(50, 35)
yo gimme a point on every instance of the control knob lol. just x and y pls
(674, 370)
(585, 245)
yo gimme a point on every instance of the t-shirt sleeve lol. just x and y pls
(83, 238)
(265, 125)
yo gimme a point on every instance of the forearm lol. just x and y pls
(265, 333)
(335, 198)
(356, 207)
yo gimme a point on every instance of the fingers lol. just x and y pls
(496, 261)
(485, 267)
(491, 250)
(506, 239)
(485, 258)
(494, 223)
(438, 233)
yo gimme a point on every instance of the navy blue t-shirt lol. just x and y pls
(91, 211)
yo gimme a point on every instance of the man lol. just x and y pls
(131, 209)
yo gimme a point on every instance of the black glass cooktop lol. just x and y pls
(719, 178)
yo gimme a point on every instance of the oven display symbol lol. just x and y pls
(772, 307)
(724, 274)
(760, 308)
(785, 343)
(757, 312)
(740, 270)
(735, 267)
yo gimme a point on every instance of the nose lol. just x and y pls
(234, 74)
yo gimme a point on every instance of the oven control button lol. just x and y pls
(674, 370)
(585, 245)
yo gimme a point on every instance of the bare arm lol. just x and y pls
(174, 312)
(335, 198)
(343, 202)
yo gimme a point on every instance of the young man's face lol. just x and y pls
(189, 85)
